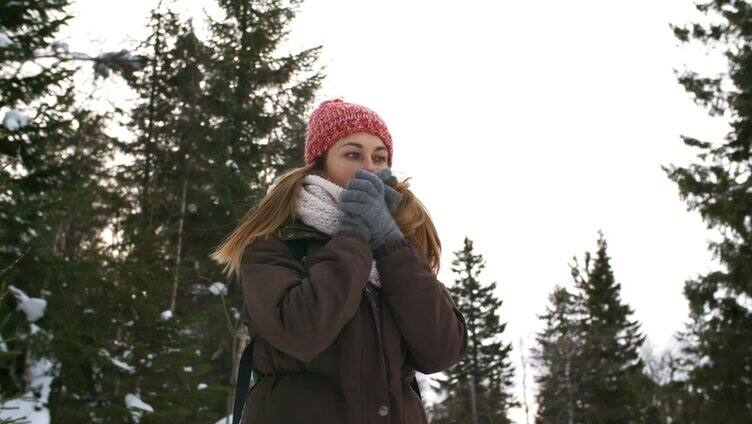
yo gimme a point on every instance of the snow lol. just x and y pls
(103, 61)
(15, 119)
(59, 46)
(202, 386)
(137, 406)
(33, 307)
(744, 301)
(166, 315)
(5, 41)
(225, 420)
(218, 289)
(118, 363)
(197, 289)
(188, 369)
(749, 190)
(30, 408)
(39, 372)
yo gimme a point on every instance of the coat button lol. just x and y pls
(368, 289)
(383, 410)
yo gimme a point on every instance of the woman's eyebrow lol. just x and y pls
(352, 143)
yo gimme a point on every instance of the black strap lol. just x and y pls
(245, 368)
(414, 385)
(243, 382)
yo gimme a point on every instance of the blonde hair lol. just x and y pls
(279, 204)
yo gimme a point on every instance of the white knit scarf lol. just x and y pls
(316, 206)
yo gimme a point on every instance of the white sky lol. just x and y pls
(526, 126)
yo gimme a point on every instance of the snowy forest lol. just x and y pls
(111, 310)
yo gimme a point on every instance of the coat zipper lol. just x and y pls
(372, 301)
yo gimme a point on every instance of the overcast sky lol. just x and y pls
(526, 126)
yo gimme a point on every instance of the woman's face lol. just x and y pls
(356, 151)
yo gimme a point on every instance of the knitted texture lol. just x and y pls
(317, 206)
(334, 119)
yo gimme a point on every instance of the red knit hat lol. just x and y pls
(334, 119)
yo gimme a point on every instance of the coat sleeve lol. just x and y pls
(433, 327)
(300, 314)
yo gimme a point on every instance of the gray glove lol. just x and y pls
(391, 196)
(356, 224)
(364, 197)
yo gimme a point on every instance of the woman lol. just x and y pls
(342, 332)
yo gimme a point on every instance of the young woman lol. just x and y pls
(342, 331)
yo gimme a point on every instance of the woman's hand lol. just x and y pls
(391, 196)
(364, 197)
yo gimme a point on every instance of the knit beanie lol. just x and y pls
(335, 119)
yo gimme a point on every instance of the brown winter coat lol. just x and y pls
(334, 348)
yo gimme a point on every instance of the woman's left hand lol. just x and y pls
(391, 196)
(364, 196)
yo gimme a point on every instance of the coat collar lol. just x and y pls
(295, 228)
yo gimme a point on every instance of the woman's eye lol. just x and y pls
(356, 154)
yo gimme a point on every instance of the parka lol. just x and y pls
(331, 346)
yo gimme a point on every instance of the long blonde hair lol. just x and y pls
(279, 204)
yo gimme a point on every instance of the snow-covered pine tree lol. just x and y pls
(52, 207)
(478, 388)
(719, 185)
(612, 375)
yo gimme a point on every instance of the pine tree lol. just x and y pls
(163, 313)
(719, 185)
(257, 101)
(53, 203)
(612, 374)
(559, 358)
(479, 386)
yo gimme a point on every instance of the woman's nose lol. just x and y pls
(369, 166)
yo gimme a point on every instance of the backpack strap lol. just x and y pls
(246, 378)
(245, 369)
(414, 385)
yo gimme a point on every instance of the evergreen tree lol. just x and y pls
(213, 121)
(612, 374)
(52, 205)
(559, 358)
(134, 319)
(256, 102)
(588, 353)
(479, 386)
(719, 185)
(162, 313)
